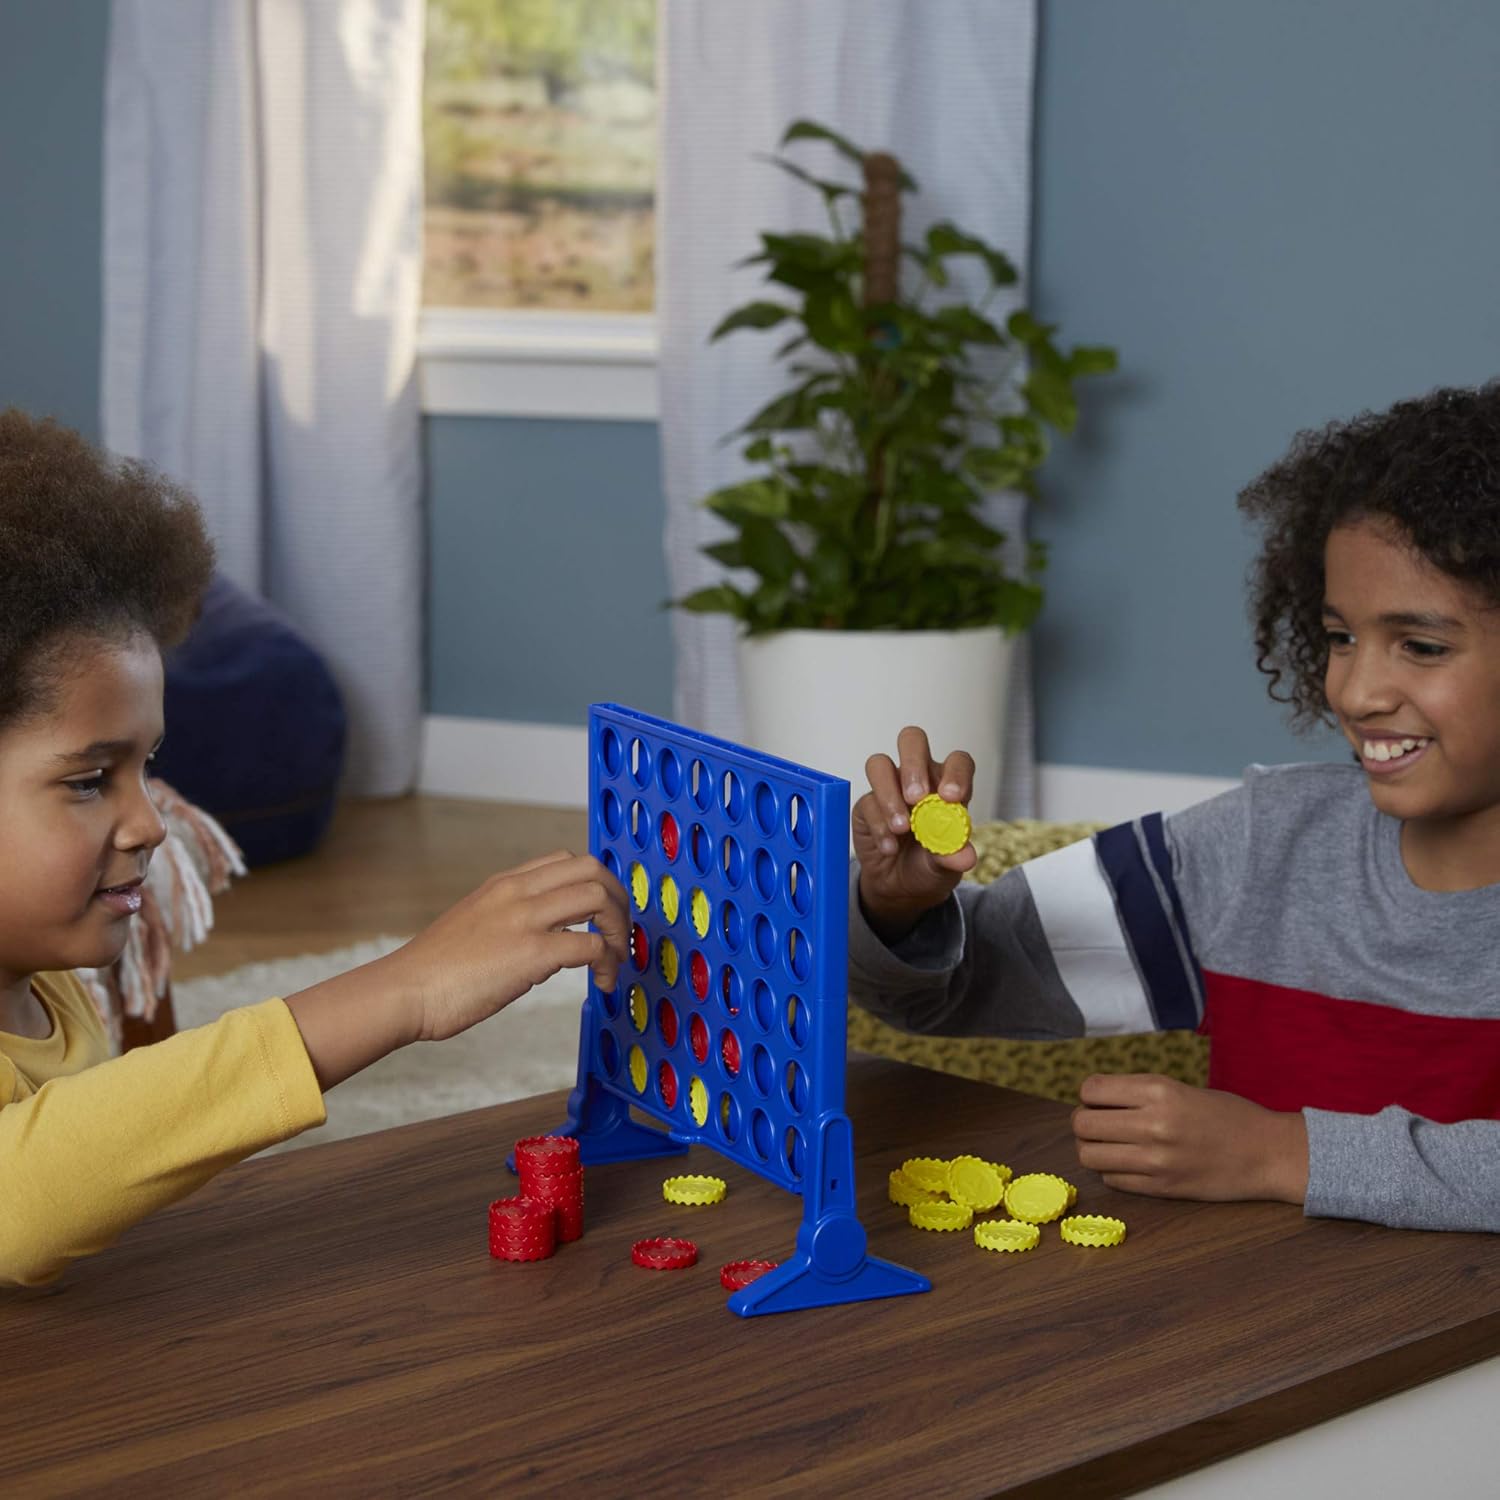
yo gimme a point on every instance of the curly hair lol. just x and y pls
(1429, 466)
(91, 547)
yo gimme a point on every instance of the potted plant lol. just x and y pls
(871, 587)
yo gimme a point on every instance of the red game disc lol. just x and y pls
(664, 1254)
(547, 1153)
(740, 1273)
(522, 1229)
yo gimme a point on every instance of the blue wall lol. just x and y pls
(1280, 214)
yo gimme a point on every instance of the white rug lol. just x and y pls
(531, 1047)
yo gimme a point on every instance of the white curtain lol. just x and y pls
(948, 88)
(262, 283)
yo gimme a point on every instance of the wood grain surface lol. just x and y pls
(328, 1322)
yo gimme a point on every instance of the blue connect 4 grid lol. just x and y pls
(729, 1022)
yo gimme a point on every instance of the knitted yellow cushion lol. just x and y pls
(1051, 1069)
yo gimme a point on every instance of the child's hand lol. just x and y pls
(1148, 1134)
(511, 934)
(899, 879)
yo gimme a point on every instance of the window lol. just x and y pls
(540, 126)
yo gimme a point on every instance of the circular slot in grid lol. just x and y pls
(763, 940)
(700, 785)
(763, 873)
(731, 989)
(669, 898)
(762, 1137)
(698, 975)
(731, 927)
(700, 848)
(668, 836)
(638, 1069)
(669, 773)
(763, 802)
(763, 1005)
(732, 796)
(640, 762)
(698, 1039)
(610, 1000)
(666, 960)
(640, 885)
(611, 752)
(666, 1083)
(762, 1071)
(640, 946)
(609, 1055)
(795, 1151)
(796, 1087)
(639, 823)
(640, 1009)
(799, 891)
(798, 953)
(729, 1117)
(798, 1022)
(611, 814)
(612, 864)
(799, 820)
(698, 1101)
(732, 861)
(666, 1021)
(729, 1052)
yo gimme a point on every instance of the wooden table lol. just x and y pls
(328, 1322)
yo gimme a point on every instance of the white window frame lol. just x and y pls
(501, 362)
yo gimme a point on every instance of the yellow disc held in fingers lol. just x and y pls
(940, 827)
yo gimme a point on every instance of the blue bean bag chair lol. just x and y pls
(255, 726)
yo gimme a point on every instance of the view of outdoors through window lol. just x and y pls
(540, 121)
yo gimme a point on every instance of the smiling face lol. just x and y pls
(76, 820)
(1413, 677)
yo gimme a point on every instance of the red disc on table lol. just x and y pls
(664, 1254)
(669, 835)
(547, 1154)
(740, 1273)
(640, 946)
(522, 1229)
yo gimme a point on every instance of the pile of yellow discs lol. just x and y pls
(942, 1195)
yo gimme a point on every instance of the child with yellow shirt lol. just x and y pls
(102, 565)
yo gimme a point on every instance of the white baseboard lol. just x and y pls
(498, 760)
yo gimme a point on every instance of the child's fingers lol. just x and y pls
(583, 949)
(885, 787)
(916, 764)
(961, 861)
(1118, 1126)
(541, 859)
(1110, 1156)
(956, 779)
(1120, 1090)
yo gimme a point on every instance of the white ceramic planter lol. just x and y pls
(832, 698)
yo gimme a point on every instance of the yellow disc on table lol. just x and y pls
(671, 900)
(906, 1192)
(940, 827)
(1038, 1197)
(695, 1190)
(1072, 1195)
(1092, 1229)
(940, 1215)
(975, 1182)
(928, 1172)
(640, 885)
(1006, 1234)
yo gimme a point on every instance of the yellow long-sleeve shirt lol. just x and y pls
(91, 1144)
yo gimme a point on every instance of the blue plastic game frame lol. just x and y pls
(737, 867)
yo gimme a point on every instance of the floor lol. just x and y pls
(384, 867)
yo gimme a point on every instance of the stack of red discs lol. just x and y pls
(550, 1173)
(522, 1229)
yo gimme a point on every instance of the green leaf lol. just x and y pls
(1051, 397)
(971, 326)
(767, 550)
(1091, 359)
(1026, 328)
(808, 130)
(831, 191)
(738, 503)
(730, 553)
(753, 315)
(718, 599)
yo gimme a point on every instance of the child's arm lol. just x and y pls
(86, 1156)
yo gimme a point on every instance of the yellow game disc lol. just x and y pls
(639, 1011)
(698, 1101)
(699, 906)
(1092, 1229)
(671, 899)
(1038, 1197)
(640, 885)
(638, 1069)
(927, 1172)
(1006, 1234)
(905, 1192)
(938, 826)
(695, 1190)
(940, 1215)
(975, 1182)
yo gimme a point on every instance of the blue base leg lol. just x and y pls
(795, 1284)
